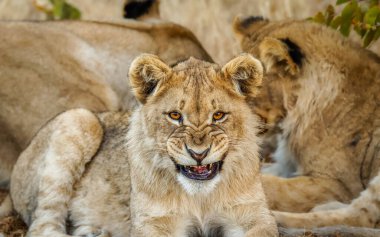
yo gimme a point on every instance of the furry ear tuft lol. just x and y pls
(136, 9)
(281, 55)
(244, 26)
(145, 73)
(246, 72)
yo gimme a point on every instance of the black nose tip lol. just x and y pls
(198, 156)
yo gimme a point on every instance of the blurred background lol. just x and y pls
(210, 20)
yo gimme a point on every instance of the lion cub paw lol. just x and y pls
(97, 234)
(91, 232)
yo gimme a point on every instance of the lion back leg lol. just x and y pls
(302, 193)
(364, 211)
(44, 176)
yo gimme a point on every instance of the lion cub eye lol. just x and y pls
(217, 116)
(175, 116)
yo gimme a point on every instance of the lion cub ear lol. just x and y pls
(245, 26)
(246, 72)
(145, 73)
(281, 56)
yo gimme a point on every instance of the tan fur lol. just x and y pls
(117, 175)
(210, 20)
(363, 211)
(49, 67)
(331, 128)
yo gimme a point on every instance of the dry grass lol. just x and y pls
(11, 226)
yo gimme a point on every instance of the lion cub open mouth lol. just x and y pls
(200, 172)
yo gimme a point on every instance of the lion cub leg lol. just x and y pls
(302, 193)
(364, 211)
(57, 157)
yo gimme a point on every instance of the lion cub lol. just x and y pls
(322, 90)
(185, 163)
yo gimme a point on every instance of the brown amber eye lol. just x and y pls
(175, 116)
(218, 116)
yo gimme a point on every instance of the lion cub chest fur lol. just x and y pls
(184, 164)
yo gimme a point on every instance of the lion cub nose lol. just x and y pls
(198, 156)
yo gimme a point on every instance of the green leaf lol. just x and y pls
(70, 12)
(319, 18)
(347, 16)
(63, 10)
(338, 2)
(377, 34)
(336, 22)
(358, 15)
(357, 22)
(57, 8)
(369, 36)
(360, 31)
(345, 29)
(363, 16)
(330, 13)
(371, 15)
(373, 3)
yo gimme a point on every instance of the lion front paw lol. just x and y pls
(100, 233)
(86, 231)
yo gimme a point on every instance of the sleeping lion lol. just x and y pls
(49, 67)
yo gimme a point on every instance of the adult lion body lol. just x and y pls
(159, 171)
(329, 89)
(49, 67)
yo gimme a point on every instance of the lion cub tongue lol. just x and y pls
(199, 169)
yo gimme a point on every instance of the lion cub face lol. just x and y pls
(197, 116)
(276, 44)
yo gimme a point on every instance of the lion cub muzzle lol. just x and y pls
(197, 156)
(202, 152)
(199, 171)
